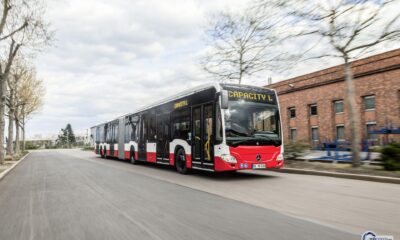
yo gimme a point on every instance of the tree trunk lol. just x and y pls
(10, 143)
(2, 111)
(23, 136)
(3, 89)
(241, 66)
(17, 133)
(354, 118)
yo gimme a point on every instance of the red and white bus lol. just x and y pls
(215, 127)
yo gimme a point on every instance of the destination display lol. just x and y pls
(251, 96)
(181, 104)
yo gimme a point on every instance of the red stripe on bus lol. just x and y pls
(127, 155)
(171, 159)
(151, 157)
(188, 160)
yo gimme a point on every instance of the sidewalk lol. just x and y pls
(6, 165)
(9, 165)
(319, 154)
(341, 170)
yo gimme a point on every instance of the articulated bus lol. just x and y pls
(214, 127)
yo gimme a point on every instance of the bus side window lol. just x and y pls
(116, 133)
(97, 138)
(207, 131)
(106, 133)
(151, 126)
(133, 133)
(110, 133)
(143, 123)
(127, 130)
(102, 134)
(218, 125)
(181, 124)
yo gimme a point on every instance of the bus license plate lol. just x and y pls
(258, 166)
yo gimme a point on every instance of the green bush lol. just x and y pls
(391, 156)
(88, 148)
(377, 149)
(294, 150)
(30, 145)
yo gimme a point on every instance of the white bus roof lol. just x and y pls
(185, 93)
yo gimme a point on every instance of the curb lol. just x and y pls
(341, 175)
(4, 173)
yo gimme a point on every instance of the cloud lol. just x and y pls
(112, 57)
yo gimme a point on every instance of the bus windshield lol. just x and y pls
(252, 124)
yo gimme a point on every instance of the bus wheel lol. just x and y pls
(105, 153)
(180, 161)
(133, 160)
(102, 153)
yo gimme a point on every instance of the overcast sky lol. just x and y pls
(112, 57)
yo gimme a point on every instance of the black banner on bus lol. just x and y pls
(205, 96)
(251, 94)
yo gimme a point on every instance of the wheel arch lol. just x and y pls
(177, 148)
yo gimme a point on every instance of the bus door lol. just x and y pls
(97, 140)
(163, 127)
(142, 138)
(121, 138)
(202, 144)
(111, 139)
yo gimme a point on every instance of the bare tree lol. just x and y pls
(30, 100)
(12, 81)
(6, 62)
(21, 26)
(242, 45)
(20, 74)
(347, 30)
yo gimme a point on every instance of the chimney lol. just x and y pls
(269, 80)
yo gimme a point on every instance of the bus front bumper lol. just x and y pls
(221, 165)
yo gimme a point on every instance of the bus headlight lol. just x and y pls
(280, 157)
(228, 158)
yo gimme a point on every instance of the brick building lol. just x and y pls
(313, 106)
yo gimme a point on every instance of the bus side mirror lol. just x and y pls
(224, 99)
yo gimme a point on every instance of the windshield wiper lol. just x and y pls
(237, 133)
(235, 143)
(275, 141)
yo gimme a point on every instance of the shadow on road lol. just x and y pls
(218, 176)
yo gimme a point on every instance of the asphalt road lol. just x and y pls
(75, 195)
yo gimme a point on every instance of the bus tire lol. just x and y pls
(180, 161)
(102, 153)
(105, 153)
(132, 156)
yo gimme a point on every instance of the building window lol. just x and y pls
(314, 134)
(338, 106)
(370, 126)
(369, 102)
(293, 134)
(313, 110)
(292, 112)
(340, 132)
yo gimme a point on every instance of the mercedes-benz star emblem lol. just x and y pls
(258, 157)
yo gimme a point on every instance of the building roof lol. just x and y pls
(382, 62)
